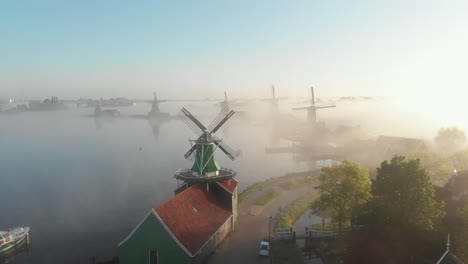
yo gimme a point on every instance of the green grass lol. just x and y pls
(266, 197)
(287, 182)
(292, 212)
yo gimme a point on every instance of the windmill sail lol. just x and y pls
(221, 122)
(312, 109)
(205, 146)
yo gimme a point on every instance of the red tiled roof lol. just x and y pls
(229, 184)
(193, 216)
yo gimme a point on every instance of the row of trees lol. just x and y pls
(397, 207)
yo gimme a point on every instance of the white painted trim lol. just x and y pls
(229, 219)
(443, 256)
(134, 230)
(171, 234)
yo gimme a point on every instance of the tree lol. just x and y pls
(343, 188)
(405, 194)
(438, 166)
(450, 139)
(403, 210)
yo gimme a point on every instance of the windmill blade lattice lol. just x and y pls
(224, 110)
(187, 118)
(229, 151)
(222, 118)
(205, 168)
(190, 153)
(206, 136)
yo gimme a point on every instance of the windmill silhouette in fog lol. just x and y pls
(312, 109)
(225, 103)
(156, 118)
(274, 100)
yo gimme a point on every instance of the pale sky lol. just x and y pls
(199, 49)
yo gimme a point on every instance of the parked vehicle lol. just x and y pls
(264, 249)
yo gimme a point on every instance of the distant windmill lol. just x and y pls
(205, 168)
(155, 113)
(224, 103)
(232, 102)
(274, 100)
(312, 109)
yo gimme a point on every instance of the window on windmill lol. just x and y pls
(195, 210)
(153, 257)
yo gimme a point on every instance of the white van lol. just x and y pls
(264, 249)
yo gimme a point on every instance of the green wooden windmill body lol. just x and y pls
(205, 163)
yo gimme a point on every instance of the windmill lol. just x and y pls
(154, 105)
(205, 168)
(312, 109)
(155, 113)
(225, 103)
(274, 100)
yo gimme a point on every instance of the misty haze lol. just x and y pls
(233, 132)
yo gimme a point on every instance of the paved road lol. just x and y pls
(242, 245)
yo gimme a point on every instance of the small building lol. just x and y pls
(185, 229)
(448, 257)
(386, 146)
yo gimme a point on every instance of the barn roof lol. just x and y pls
(401, 145)
(229, 185)
(193, 216)
(448, 257)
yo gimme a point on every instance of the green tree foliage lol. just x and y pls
(450, 139)
(343, 188)
(404, 192)
(403, 209)
(438, 166)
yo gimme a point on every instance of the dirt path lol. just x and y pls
(242, 245)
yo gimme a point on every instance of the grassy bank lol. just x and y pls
(266, 197)
(287, 182)
(292, 212)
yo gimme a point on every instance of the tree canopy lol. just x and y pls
(450, 139)
(404, 192)
(402, 210)
(342, 188)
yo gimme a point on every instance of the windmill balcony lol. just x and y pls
(187, 175)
